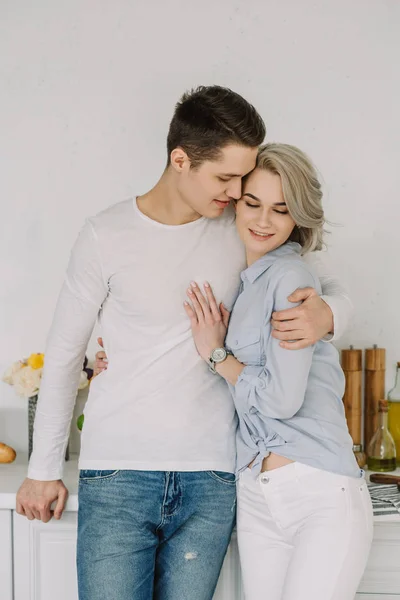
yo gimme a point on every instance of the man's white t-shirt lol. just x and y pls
(157, 407)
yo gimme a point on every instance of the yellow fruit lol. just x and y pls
(36, 361)
(7, 454)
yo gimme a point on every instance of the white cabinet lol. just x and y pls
(230, 582)
(44, 559)
(376, 597)
(6, 558)
(37, 561)
(382, 575)
(44, 562)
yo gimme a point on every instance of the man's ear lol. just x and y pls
(180, 161)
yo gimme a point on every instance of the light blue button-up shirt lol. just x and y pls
(288, 401)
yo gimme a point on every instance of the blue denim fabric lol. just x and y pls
(153, 535)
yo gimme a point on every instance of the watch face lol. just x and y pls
(218, 354)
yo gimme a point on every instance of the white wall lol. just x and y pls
(87, 89)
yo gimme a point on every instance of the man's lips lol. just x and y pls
(222, 203)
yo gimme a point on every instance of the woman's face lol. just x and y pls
(262, 219)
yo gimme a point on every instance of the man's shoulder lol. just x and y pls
(118, 210)
(113, 217)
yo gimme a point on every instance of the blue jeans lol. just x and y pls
(153, 535)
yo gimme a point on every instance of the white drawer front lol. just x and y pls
(6, 576)
(230, 582)
(382, 575)
(44, 559)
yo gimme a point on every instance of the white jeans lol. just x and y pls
(303, 534)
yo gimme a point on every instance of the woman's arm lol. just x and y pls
(278, 388)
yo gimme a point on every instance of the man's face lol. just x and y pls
(209, 189)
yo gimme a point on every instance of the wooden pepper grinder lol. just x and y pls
(375, 367)
(352, 399)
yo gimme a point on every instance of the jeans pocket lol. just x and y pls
(223, 477)
(93, 476)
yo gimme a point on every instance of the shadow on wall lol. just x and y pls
(14, 426)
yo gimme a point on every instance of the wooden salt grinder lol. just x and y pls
(375, 366)
(352, 399)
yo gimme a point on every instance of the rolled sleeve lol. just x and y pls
(334, 294)
(342, 310)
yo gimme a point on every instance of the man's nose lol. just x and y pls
(235, 189)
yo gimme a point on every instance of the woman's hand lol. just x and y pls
(101, 362)
(208, 321)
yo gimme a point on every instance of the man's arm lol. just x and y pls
(333, 293)
(325, 317)
(79, 303)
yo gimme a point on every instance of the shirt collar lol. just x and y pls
(265, 262)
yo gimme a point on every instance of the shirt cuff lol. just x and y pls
(39, 475)
(342, 310)
(249, 379)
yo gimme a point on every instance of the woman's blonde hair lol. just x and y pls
(301, 191)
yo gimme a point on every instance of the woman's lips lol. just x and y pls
(260, 235)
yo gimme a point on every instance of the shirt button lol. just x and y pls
(264, 479)
(236, 342)
(261, 384)
(252, 410)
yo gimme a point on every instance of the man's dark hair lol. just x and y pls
(207, 119)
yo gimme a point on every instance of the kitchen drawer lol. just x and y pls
(6, 574)
(377, 597)
(44, 559)
(382, 575)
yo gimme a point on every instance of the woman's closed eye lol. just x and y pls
(279, 212)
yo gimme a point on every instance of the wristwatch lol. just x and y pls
(218, 355)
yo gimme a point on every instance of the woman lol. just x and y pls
(304, 517)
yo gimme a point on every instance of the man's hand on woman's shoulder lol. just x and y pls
(305, 324)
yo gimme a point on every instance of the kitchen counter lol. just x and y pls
(12, 475)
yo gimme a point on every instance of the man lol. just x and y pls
(157, 484)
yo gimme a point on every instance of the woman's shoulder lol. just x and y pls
(295, 268)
